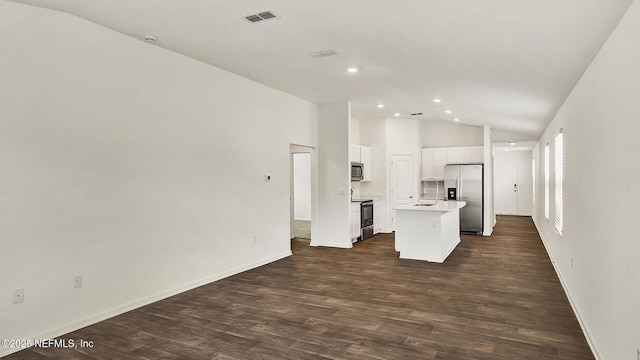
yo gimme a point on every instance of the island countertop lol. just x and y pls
(441, 206)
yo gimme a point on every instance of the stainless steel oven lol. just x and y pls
(366, 218)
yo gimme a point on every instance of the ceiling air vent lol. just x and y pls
(416, 114)
(319, 54)
(260, 16)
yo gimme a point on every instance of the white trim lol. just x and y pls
(566, 291)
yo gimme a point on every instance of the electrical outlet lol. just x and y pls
(77, 281)
(18, 296)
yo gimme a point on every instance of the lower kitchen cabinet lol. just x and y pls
(355, 221)
(377, 216)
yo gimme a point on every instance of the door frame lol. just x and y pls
(297, 149)
(517, 183)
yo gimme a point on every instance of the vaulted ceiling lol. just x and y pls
(508, 64)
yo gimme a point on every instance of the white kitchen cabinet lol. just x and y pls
(354, 153)
(455, 155)
(355, 221)
(377, 216)
(475, 154)
(365, 159)
(433, 161)
(465, 155)
(362, 154)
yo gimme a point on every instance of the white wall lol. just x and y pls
(601, 194)
(334, 169)
(302, 186)
(133, 166)
(354, 138)
(443, 134)
(523, 160)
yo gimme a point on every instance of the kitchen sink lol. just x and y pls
(423, 204)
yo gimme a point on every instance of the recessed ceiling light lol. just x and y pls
(436, 100)
(448, 111)
(352, 70)
(512, 143)
(380, 106)
(396, 114)
(456, 119)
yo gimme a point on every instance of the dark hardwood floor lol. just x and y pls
(493, 298)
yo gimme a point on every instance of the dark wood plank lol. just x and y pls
(493, 298)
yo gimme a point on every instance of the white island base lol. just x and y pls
(428, 233)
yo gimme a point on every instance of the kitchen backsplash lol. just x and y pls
(429, 190)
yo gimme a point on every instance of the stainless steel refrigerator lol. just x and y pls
(465, 182)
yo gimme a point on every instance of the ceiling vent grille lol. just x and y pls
(260, 16)
(416, 114)
(319, 54)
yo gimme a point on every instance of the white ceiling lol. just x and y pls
(505, 63)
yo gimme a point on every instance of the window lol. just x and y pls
(558, 149)
(546, 181)
(533, 172)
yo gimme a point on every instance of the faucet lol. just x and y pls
(436, 181)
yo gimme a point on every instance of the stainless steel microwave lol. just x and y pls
(356, 171)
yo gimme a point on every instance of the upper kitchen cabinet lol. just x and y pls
(433, 161)
(475, 154)
(362, 154)
(455, 155)
(465, 155)
(354, 153)
(365, 159)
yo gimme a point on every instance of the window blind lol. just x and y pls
(533, 172)
(546, 181)
(558, 164)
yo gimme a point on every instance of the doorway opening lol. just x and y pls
(302, 201)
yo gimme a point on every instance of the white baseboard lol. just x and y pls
(566, 291)
(75, 325)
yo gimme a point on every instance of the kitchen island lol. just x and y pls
(427, 232)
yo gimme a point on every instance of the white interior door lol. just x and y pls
(401, 183)
(506, 187)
